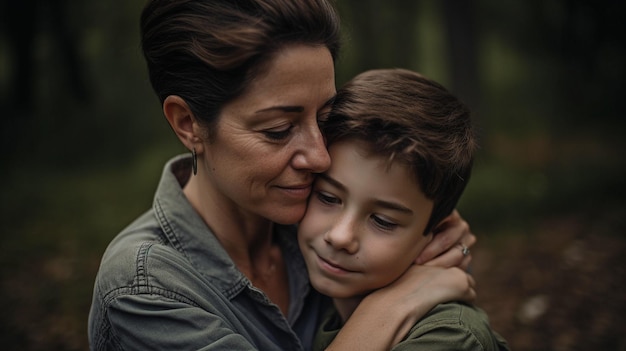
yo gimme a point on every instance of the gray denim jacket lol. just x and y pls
(165, 283)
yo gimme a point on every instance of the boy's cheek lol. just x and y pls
(313, 225)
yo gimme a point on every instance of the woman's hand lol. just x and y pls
(428, 286)
(434, 284)
(421, 288)
(450, 245)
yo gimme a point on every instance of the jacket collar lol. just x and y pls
(185, 230)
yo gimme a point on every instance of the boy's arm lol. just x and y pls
(385, 316)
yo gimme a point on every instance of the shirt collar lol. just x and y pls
(185, 230)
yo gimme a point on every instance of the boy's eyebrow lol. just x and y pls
(332, 181)
(394, 206)
(387, 204)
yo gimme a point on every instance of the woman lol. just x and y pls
(215, 263)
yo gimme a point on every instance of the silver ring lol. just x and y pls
(464, 249)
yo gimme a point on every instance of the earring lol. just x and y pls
(194, 161)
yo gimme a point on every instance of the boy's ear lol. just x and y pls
(181, 119)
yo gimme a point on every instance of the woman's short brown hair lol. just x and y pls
(206, 51)
(411, 119)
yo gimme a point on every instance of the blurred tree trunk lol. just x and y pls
(462, 51)
(20, 29)
(25, 23)
(382, 34)
(25, 20)
(73, 65)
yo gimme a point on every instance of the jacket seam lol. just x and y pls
(168, 231)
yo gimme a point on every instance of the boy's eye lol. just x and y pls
(327, 199)
(383, 223)
(277, 134)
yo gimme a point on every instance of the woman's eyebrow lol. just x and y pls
(295, 109)
(282, 108)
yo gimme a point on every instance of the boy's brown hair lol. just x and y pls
(411, 119)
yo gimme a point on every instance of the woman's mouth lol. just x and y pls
(297, 191)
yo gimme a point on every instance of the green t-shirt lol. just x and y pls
(449, 326)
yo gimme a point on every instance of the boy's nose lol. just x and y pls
(343, 236)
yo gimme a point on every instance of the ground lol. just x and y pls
(561, 287)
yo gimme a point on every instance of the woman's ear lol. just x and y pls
(181, 120)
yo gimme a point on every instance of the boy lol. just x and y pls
(402, 149)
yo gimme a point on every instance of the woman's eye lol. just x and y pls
(277, 134)
(327, 198)
(383, 223)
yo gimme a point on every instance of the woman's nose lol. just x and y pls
(313, 155)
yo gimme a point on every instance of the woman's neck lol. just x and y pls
(247, 238)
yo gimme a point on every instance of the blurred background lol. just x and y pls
(84, 142)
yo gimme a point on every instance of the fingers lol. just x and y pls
(465, 263)
(467, 289)
(465, 286)
(471, 281)
(452, 231)
(454, 257)
(471, 293)
(468, 239)
(465, 243)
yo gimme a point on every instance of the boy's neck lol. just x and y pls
(345, 306)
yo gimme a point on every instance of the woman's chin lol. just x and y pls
(289, 215)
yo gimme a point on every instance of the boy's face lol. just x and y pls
(364, 223)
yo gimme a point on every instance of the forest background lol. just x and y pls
(83, 142)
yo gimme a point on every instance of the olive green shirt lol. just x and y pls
(450, 326)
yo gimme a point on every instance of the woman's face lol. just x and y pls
(268, 144)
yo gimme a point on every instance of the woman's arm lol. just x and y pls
(386, 315)
(155, 322)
